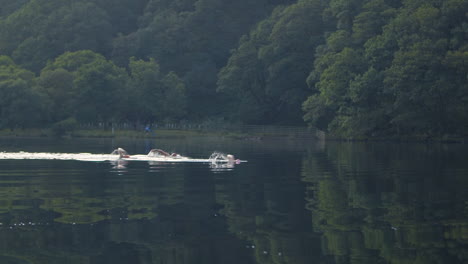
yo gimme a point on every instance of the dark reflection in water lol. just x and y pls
(292, 203)
(385, 203)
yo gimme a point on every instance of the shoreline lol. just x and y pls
(446, 139)
(162, 133)
(180, 133)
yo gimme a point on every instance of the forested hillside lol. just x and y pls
(349, 67)
(392, 68)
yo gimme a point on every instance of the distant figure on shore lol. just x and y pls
(147, 129)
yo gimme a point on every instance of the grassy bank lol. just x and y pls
(71, 129)
(250, 135)
(101, 133)
(403, 139)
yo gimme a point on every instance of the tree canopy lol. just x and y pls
(351, 68)
(386, 70)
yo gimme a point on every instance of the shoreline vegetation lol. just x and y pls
(242, 134)
(355, 69)
(258, 135)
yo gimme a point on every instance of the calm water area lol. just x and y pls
(293, 202)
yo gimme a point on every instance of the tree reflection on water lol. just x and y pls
(389, 203)
(339, 203)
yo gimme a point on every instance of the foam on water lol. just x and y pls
(94, 157)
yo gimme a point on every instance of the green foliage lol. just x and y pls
(266, 73)
(174, 98)
(21, 102)
(59, 87)
(42, 30)
(357, 68)
(192, 38)
(86, 86)
(65, 126)
(399, 80)
(8, 7)
(153, 95)
(370, 21)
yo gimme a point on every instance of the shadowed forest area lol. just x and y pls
(348, 67)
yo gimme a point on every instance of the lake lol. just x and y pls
(293, 202)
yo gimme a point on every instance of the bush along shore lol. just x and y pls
(167, 131)
(241, 132)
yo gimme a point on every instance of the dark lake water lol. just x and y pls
(293, 202)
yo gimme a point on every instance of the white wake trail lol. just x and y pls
(94, 157)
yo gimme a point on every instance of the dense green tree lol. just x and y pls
(332, 86)
(42, 30)
(123, 15)
(58, 85)
(97, 90)
(22, 104)
(346, 86)
(174, 104)
(153, 96)
(193, 39)
(8, 7)
(429, 94)
(267, 72)
(369, 23)
(401, 81)
(358, 68)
